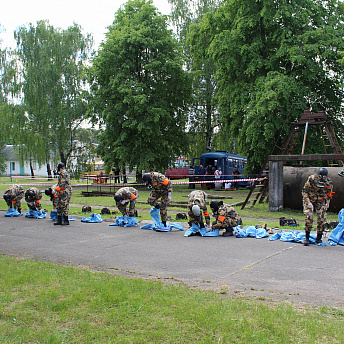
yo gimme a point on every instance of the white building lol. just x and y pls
(15, 168)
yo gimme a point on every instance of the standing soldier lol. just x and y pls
(316, 195)
(64, 193)
(196, 204)
(13, 196)
(226, 217)
(126, 195)
(33, 198)
(161, 188)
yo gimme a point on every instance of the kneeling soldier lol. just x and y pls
(125, 196)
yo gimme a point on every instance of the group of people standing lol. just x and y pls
(60, 195)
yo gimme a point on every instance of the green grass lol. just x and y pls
(46, 303)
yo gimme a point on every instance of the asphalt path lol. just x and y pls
(247, 267)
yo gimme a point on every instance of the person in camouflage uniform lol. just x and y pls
(33, 198)
(52, 192)
(316, 195)
(226, 217)
(196, 204)
(64, 194)
(161, 188)
(125, 196)
(13, 196)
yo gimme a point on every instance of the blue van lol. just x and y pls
(221, 158)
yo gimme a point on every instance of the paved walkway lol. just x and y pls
(246, 267)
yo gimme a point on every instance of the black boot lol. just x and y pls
(318, 239)
(164, 223)
(59, 220)
(306, 241)
(65, 221)
(228, 232)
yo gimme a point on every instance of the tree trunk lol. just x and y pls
(138, 176)
(31, 168)
(49, 171)
(124, 175)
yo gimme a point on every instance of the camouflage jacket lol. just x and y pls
(128, 193)
(36, 197)
(160, 183)
(226, 211)
(317, 189)
(63, 183)
(16, 192)
(53, 196)
(197, 197)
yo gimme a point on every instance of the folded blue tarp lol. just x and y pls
(125, 221)
(251, 232)
(35, 214)
(158, 225)
(94, 218)
(337, 235)
(12, 213)
(296, 236)
(196, 229)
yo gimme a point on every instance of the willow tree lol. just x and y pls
(140, 89)
(52, 78)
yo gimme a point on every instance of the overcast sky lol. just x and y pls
(93, 16)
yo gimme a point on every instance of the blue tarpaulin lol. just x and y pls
(294, 236)
(12, 213)
(125, 221)
(196, 229)
(337, 235)
(94, 218)
(158, 225)
(250, 232)
(36, 214)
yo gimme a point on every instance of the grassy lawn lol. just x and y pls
(46, 303)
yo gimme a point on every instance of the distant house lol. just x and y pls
(15, 168)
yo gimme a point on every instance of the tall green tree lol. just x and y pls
(203, 115)
(274, 60)
(141, 90)
(52, 63)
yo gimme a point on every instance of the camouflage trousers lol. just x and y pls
(63, 203)
(197, 220)
(153, 201)
(123, 208)
(319, 208)
(16, 205)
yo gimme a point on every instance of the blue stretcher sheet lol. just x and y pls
(12, 213)
(250, 232)
(337, 235)
(35, 214)
(94, 218)
(295, 236)
(125, 221)
(194, 229)
(158, 225)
